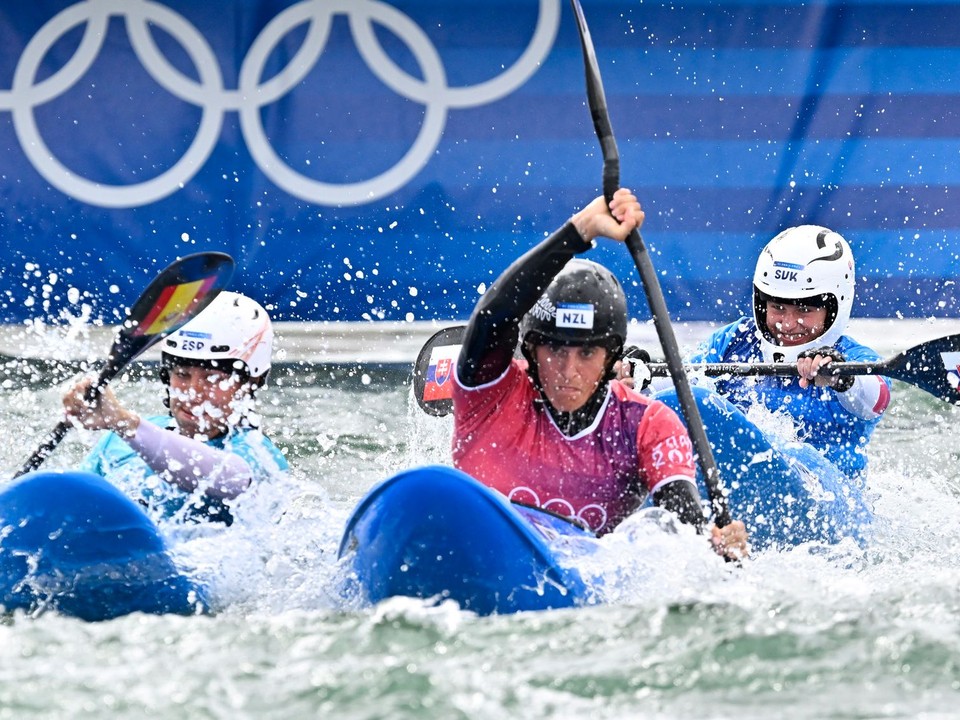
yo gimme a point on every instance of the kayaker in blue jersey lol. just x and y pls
(192, 463)
(803, 290)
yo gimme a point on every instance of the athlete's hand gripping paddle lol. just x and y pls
(933, 366)
(175, 296)
(651, 283)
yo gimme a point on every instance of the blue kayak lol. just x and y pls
(786, 493)
(72, 543)
(436, 533)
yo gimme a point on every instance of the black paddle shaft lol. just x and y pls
(932, 366)
(648, 276)
(671, 351)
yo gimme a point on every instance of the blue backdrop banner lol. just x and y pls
(367, 159)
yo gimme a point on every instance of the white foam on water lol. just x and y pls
(812, 632)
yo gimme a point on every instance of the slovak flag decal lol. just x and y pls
(439, 373)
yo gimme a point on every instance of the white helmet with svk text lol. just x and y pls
(804, 265)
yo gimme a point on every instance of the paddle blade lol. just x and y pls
(175, 296)
(932, 366)
(433, 371)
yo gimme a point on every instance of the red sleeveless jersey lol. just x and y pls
(506, 439)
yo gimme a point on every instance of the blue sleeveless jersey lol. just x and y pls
(819, 417)
(114, 460)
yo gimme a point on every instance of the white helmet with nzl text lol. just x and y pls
(804, 265)
(233, 332)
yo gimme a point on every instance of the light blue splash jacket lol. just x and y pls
(113, 459)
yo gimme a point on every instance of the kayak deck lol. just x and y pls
(436, 533)
(72, 543)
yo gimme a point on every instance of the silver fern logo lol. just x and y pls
(543, 310)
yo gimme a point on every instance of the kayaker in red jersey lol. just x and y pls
(554, 429)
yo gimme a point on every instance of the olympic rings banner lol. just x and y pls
(386, 159)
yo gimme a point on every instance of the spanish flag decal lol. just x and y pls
(171, 305)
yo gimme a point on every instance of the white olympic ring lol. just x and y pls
(251, 95)
(562, 507)
(559, 506)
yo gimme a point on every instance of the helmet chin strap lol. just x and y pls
(613, 355)
(576, 421)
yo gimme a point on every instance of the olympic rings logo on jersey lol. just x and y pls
(593, 516)
(251, 95)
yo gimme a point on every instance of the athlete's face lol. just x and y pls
(202, 400)
(569, 375)
(795, 324)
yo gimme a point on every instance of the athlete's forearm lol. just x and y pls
(189, 463)
(682, 499)
(867, 398)
(491, 335)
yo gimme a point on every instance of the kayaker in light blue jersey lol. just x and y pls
(191, 464)
(803, 290)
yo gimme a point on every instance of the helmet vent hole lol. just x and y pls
(220, 348)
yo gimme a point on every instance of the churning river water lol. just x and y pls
(837, 632)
